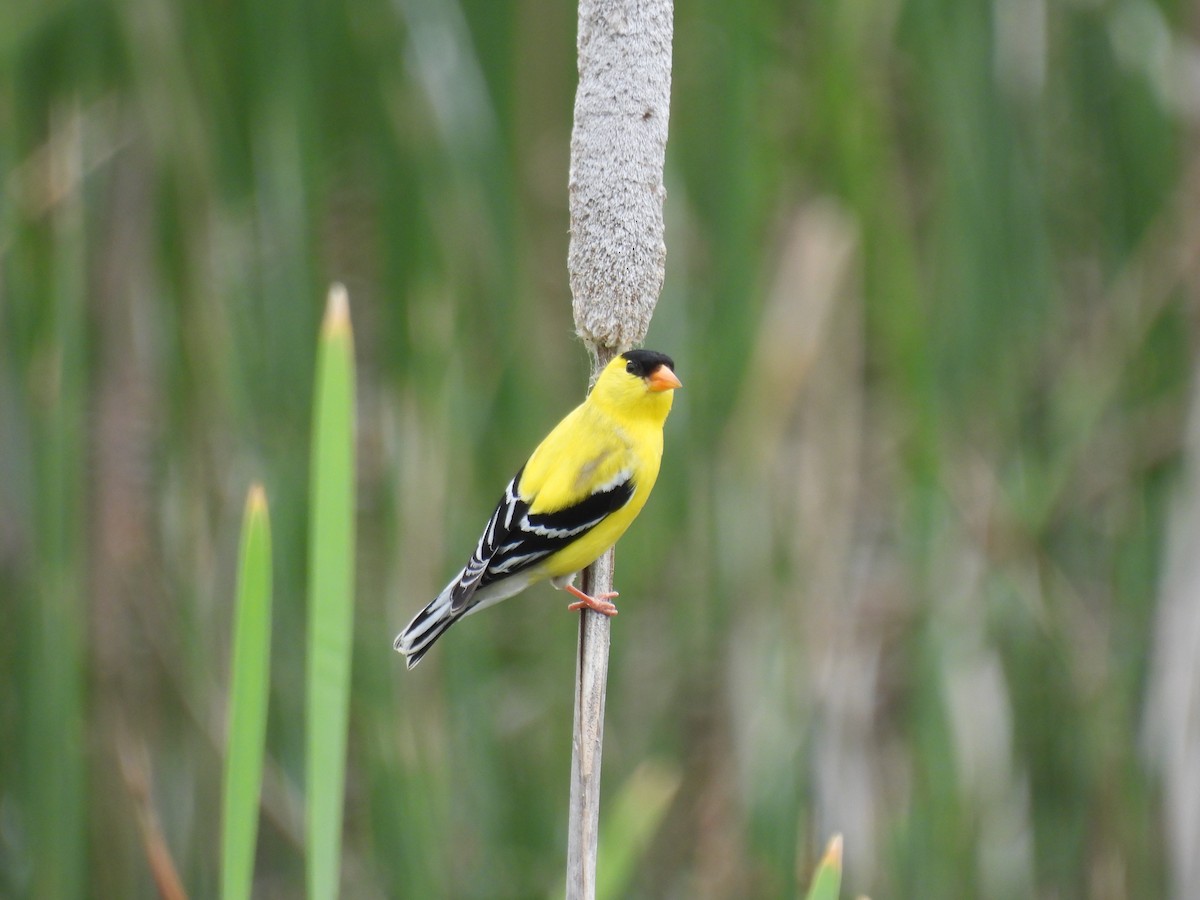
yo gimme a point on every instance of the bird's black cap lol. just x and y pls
(643, 363)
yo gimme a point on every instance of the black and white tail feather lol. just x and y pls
(508, 554)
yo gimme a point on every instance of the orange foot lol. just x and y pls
(600, 604)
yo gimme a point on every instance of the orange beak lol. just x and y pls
(663, 379)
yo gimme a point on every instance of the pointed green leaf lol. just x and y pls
(827, 882)
(331, 596)
(249, 686)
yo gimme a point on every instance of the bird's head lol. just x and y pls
(639, 382)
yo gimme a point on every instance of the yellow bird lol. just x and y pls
(579, 491)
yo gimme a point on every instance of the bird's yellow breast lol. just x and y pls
(590, 447)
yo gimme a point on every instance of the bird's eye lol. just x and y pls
(631, 368)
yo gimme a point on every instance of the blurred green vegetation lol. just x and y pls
(931, 290)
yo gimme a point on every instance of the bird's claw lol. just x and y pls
(599, 603)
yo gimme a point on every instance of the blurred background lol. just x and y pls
(922, 563)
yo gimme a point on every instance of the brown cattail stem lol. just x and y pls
(591, 681)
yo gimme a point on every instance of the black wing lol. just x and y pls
(515, 540)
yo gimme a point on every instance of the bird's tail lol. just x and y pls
(427, 626)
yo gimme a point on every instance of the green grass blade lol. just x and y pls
(331, 595)
(54, 685)
(827, 882)
(249, 686)
(630, 825)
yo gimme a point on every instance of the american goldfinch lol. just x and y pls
(579, 491)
